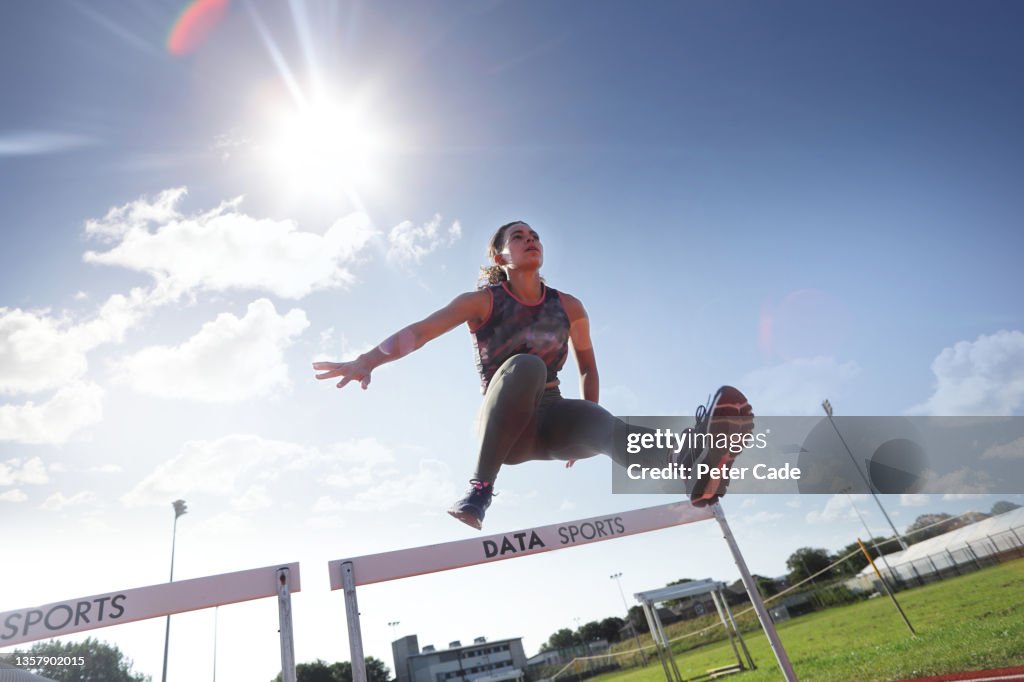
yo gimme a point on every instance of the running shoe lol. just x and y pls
(726, 414)
(473, 505)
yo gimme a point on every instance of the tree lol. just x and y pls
(101, 662)
(610, 628)
(928, 526)
(590, 632)
(805, 562)
(1003, 506)
(672, 603)
(766, 586)
(876, 547)
(320, 671)
(563, 639)
(638, 619)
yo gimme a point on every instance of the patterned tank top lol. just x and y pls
(514, 327)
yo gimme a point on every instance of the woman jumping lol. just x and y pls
(521, 331)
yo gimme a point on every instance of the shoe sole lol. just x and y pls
(466, 517)
(730, 412)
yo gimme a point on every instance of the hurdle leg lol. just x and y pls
(755, 597)
(355, 633)
(284, 613)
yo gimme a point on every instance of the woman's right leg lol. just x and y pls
(508, 425)
(508, 421)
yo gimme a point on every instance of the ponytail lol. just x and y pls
(489, 276)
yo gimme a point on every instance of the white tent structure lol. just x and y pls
(985, 542)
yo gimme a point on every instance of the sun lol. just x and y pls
(324, 148)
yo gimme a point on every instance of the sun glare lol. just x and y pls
(324, 149)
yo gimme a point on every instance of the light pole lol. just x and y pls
(616, 577)
(216, 611)
(827, 406)
(394, 629)
(179, 509)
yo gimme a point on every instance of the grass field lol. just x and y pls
(973, 622)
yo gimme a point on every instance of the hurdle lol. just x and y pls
(348, 574)
(156, 601)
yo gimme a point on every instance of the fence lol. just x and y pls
(906, 569)
(919, 565)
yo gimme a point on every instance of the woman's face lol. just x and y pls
(522, 248)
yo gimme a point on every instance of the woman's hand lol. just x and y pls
(355, 370)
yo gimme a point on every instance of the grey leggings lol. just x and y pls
(521, 421)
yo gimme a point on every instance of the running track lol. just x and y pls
(995, 675)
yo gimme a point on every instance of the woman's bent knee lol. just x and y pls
(524, 366)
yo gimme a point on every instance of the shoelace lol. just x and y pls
(481, 486)
(702, 413)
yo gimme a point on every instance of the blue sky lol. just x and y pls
(804, 200)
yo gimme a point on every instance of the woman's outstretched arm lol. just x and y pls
(469, 307)
(583, 348)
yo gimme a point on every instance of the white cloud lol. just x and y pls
(963, 481)
(39, 351)
(331, 522)
(914, 500)
(135, 215)
(408, 243)
(225, 524)
(106, 469)
(254, 498)
(326, 504)
(15, 471)
(13, 496)
(1011, 450)
(236, 468)
(567, 505)
(214, 467)
(838, 507)
(224, 249)
(338, 352)
(761, 517)
(57, 501)
(71, 409)
(980, 377)
(360, 464)
(431, 486)
(228, 360)
(797, 387)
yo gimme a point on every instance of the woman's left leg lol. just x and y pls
(578, 429)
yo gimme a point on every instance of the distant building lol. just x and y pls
(481, 661)
(564, 655)
(10, 673)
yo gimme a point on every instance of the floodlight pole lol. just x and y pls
(625, 605)
(180, 508)
(827, 406)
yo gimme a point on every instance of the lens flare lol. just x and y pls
(194, 25)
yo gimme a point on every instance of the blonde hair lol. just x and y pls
(495, 274)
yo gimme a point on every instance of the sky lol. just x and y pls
(804, 200)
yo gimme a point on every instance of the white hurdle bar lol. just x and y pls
(155, 601)
(347, 574)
